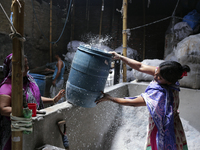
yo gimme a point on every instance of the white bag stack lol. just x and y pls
(143, 76)
(72, 48)
(187, 52)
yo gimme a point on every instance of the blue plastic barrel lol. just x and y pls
(41, 82)
(88, 74)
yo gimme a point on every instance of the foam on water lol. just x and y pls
(90, 41)
(98, 42)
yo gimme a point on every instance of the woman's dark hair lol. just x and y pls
(172, 71)
(59, 54)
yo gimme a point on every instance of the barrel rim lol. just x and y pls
(94, 50)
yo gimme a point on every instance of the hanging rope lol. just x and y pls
(173, 15)
(160, 21)
(14, 33)
(186, 19)
(62, 29)
(150, 23)
(173, 21)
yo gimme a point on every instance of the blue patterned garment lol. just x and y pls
(159, 100)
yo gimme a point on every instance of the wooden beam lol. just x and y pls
(17, 76)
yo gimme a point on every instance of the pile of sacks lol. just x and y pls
(187, 52)
(143, 76)
(72, 48)
(133, 54)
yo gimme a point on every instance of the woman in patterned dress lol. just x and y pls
(32, 93)
(165, 130)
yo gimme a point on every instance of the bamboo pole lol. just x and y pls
(50, 33)
(125, 5)
(17, 77)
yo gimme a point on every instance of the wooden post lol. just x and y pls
(125, 5)
(50, 33)
(17, 76)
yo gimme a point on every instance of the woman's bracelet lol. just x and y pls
(54, 100)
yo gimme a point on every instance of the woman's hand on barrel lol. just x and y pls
(115, 55)
(60, 94)
(106, 97)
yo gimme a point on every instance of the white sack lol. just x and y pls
(130, 76)
(171, 57)
(187, 52)
(131, 53)
(182, 30)
(143, 76)
(69, 56)
(192, 80)
(73, 45)
(188, 46)
(72, 48)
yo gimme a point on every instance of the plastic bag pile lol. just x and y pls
(187, 52)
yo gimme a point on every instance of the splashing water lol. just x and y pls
(96, 42)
